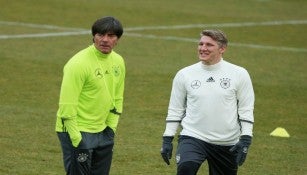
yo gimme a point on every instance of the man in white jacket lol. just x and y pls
(213, 101)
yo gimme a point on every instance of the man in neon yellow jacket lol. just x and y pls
(91, 101)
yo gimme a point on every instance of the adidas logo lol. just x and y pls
(210, 79)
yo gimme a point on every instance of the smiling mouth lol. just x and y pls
(204, 53)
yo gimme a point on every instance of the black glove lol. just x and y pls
(241, 148)
(167, 148)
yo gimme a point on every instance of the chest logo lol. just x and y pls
(98, 73)
(225, 83)
(195, 84)
(210, 80)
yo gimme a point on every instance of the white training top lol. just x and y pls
(213, 103)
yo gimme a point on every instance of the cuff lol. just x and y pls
(246, 128)
(73, 131)
(171, 128)
(112, 121)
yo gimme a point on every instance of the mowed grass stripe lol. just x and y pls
(79, 31)
(243, 24)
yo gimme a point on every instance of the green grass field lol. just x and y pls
(267, 37)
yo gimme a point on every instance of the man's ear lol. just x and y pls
(222, 49)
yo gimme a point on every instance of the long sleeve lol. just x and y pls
(177, 106)
(246, 98)
(118, 87)
(70, 90)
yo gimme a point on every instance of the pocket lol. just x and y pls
(82, 144)
(109, 132)
(182, 137)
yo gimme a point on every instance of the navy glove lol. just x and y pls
(167, 148)
(241, 148)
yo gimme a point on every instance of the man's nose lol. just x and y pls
(203, 47)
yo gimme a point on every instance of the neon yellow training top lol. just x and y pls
(92, 85)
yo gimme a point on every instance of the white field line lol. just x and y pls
(245, 24)
(40, 26)
(79, 31)
(44, 35)
(230, 44)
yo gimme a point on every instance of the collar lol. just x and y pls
(212, 67)
(99, 54)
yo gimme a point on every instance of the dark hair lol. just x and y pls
(217, 35)
(107, 24)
